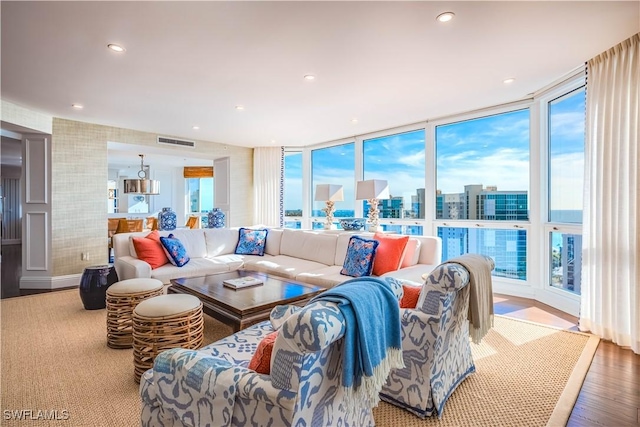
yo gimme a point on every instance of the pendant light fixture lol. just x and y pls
(142, 185)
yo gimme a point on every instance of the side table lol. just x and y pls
(94, 283)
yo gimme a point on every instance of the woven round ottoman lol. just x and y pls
(165, 322)
(122, 298)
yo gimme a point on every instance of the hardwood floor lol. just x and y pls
(610, 394)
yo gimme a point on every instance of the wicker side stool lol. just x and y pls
(165, 322)
(122, 298)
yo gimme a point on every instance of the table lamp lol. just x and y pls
(372, 190)
(329, 193)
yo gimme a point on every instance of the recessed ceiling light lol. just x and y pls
(115, 47)
(239, 107)
(273, 141)
(77, 106)
(309, 77)
(445, 17)
(509, 80)
(195, 127)
(354, 120)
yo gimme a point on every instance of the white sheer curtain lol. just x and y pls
(611, 240)
(267, 186)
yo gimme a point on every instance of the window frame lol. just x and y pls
(297, 218)
(537, 227)
(556, 297)
(507, 285)
(200, 214)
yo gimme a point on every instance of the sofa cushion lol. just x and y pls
(411, 253)
(413, 273)
(220, 241)
(341, 248)
(274, 238)
(175, 250)
(281, 265)
(195, 267)
(192, 239)
(251, 242)
(389, 253)
(261, 360)
(309, 245)
(327, 277)
(360, 255)
(149, 249)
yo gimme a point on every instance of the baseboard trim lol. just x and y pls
(56, 282)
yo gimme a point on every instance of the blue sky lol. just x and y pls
(491, 150)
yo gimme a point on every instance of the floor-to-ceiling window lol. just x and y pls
(566, 124)
(333, 165)
(505, 182)
(482, 182)
(293, 201)
(399, 159)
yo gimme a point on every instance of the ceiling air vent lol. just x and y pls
(176, 142)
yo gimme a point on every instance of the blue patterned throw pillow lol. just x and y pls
(175, 251)
(359, 259)
(251, 242)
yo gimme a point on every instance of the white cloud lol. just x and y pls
(414, 160)
(567, 181)
(508, 169)
(568, 125)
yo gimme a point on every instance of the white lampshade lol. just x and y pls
(372, 189)
(329, 192)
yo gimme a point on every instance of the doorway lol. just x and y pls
(10, 214)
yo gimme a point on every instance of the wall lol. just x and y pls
(80, 172)
(17, 115)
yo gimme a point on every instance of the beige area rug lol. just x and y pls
(54, 358)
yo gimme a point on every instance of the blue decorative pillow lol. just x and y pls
(359, 259)
(175, 251)
(251, 242)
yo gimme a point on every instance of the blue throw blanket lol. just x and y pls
(372, 341)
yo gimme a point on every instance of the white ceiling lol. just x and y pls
(385, 63)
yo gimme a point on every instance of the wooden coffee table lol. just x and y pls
(243, 307)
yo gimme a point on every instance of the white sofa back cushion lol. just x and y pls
(341, 248)
(274, 239)
(430, 250)
(220, 241)
(411, 253)
(123, 245)
(309, 245)
(192, 239)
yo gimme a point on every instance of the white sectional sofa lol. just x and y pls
(314, 257)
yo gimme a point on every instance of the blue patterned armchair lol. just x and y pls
(435, 344)
(213, 386)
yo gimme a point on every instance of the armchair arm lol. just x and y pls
(419, 336)
(206, 386)
(280, 313)
(129, 267)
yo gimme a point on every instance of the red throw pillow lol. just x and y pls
(149, 249)
(410, 297)
(261, 360)
(389, 253)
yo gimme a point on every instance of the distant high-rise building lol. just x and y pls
(389, 208)
(508, 248)
(417, 204)
(571, 256)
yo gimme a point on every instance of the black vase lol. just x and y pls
(94, 283)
